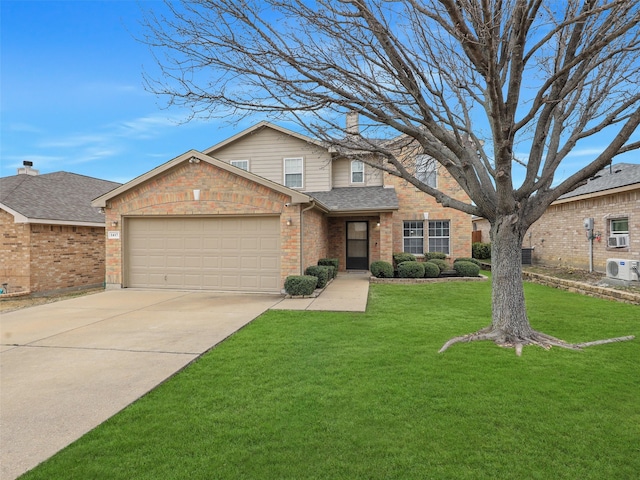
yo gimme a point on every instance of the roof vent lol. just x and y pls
(27, 169)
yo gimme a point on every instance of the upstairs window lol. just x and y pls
(426, 170)
(293, 172)
(243, 164)
(357, 171)
(413, 237)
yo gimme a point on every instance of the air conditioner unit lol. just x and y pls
(617, 241)
(623, 269)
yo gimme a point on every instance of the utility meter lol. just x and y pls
(588, 223)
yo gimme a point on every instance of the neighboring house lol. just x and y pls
(265, 204)
(51, 238)
(559, 238)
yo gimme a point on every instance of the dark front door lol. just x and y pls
(357, 246)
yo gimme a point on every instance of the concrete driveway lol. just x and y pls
(66, 367)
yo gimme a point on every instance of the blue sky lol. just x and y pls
(72, 96)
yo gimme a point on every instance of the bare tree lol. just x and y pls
(467, 82)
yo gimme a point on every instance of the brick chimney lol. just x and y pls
(27, 170)
(353, 127)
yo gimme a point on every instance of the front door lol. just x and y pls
(357, 246)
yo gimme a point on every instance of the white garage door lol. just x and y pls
(231, 254)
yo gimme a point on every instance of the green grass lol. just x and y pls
(317, 395)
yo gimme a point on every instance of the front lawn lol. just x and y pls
(317, 395)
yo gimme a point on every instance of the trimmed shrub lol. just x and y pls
(300, 284)
(481, 250)
(333, 262)
(400, 257)
(442, 265)
(411, 270)
(333, 271)
(435, 256)
(381, 269)
(466, 259)
(431, 270)
(320, 271)
(466, 269)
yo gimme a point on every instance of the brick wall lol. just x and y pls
(414, 203)
(46, 258)
(221, 193)
(15, 266)
(316, 237)
(558, 237)
(66, 257)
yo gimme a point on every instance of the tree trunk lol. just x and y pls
(507, 295)
(510, 326)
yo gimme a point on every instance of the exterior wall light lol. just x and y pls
(196, 195)
(289, 222)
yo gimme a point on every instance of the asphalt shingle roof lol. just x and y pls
(358, 198)
(60, 196)
(618, 175)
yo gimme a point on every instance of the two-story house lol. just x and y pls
(267, 203)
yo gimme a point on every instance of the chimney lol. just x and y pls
(27, 170)
(352, 123)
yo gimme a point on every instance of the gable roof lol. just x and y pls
(260, 126)
(194, 155)
(60, 198)
(358, 199)
(623, 176)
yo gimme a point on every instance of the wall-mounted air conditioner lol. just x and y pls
(618, 241)
(623, 269)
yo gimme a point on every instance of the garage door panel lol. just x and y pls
(204, 253)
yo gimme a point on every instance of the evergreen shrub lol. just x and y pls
(381, 269)
(411, 270)
(322, 272)
(466, 269)
(300, 284)
(431, 270)
(480, 250)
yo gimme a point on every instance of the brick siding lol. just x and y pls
(559, 238)
(170, 193)
(414, 203)
(45, 258)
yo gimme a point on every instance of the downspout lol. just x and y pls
(313, 204)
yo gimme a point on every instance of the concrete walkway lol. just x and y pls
(348, 292)
(68, 366)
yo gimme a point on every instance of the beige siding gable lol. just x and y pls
(342, 175)
(266, 148)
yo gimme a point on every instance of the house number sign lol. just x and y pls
(113, 235)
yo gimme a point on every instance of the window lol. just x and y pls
(619, 226)
(293, 172)
(413, 237)
(243, 164)
(439, 236)
(357, 171)
(426, 170)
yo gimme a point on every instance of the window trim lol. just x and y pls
(617, 219)
(285, 173)
(235, 162)
(448, 237)
(357, 171)
(409, 227)
(430, 167)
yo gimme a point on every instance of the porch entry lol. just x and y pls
(357, 246)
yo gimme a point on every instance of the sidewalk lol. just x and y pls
(348, 292)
